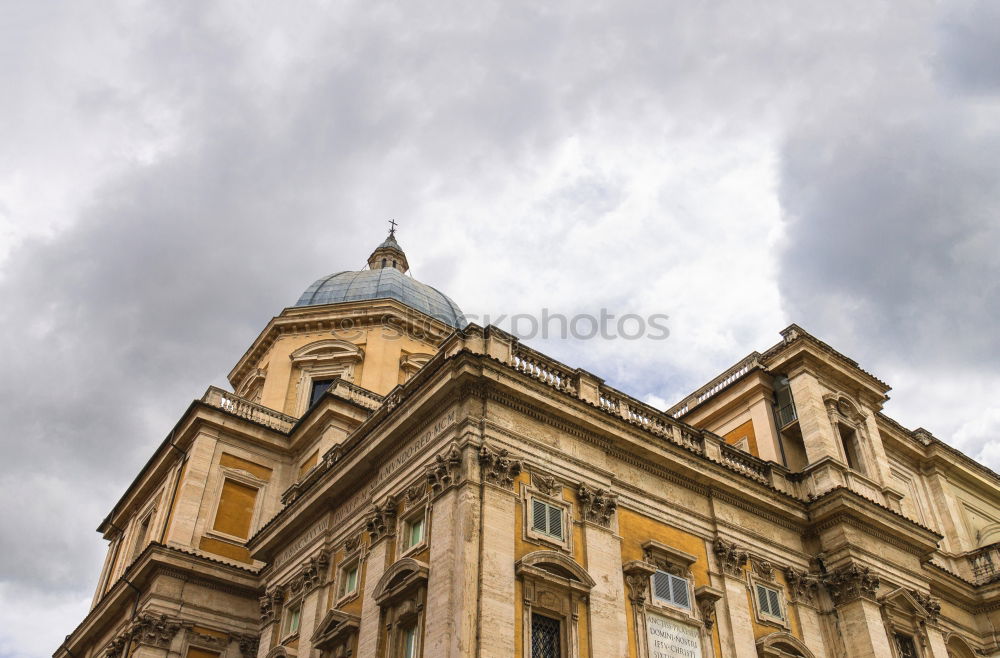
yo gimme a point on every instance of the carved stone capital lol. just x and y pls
(445, 470)
(381, 521)
(706, 598)
(851, 583)
(248, 645)
(596, 504)
(731, 557)
(498, 467)
(930, 605)
(154, 630)
(801, 585)
(546, 484)
(313, 571)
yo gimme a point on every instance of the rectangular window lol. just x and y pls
(414, 531)
(547, 519)
(769, 602)
(236, 505)
(410, 642)
(544, 637)
(671, 589)
(292, 614)
(349, 579)
(141, 536)
(319, 387)
(907, 649)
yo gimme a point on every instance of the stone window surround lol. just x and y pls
(401, 595)
(547, 592)
(241, 477)
(528, 493)
(290, 604)
(336, 635)
(353, 559)
(421, 511)
(311, 366)
(911, 622)
(147, 513)
(765, 619)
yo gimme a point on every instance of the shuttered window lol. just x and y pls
(668, 588)
(546, 519)
(769, 602)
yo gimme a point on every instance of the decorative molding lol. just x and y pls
(249, 645)
(801, 585)
(545, 484)
(667, 558)
(498, 467)
(731, 557)
(445, 469)
(637, 574)
(381, 522)
(596, 504)
(706, 598)
(850, 583)
(930, 605)
(313, 572)
(763, 569)
(270, 606)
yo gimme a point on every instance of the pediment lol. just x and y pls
(334, 627)
(331, 349)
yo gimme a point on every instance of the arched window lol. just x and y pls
(401, 594)
(555, 590)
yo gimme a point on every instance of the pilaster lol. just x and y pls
(368, 630)
(817, 433)
(739, 641)
(496, 604)
(608, 625)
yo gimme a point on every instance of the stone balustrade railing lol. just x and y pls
(745, 463)
(549, 371)
(985, 564)
(730, 376)
(355, 393)
(257, 413)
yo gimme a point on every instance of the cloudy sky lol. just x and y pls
(173, 174)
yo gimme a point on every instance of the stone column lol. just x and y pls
(370, 612)
(817, 432)
(853, 589)
(608, 625)
(496, 603)
(309, 615)
(739, 640)
(450, 626)
(764, 429)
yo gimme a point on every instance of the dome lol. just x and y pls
(383, 283)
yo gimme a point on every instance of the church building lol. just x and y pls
(387, 481)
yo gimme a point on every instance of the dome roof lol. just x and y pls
(383, 283)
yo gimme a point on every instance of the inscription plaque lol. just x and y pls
(666, 638)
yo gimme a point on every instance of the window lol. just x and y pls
(671, 589)
(410, 642)
(140, 537)
(852, 447)
(769, 602)
(291, 625)
(414, 532)
(544, 637)
(546, 519)
(348, 580)
(906, 647)
(319, 387)
(234, 515)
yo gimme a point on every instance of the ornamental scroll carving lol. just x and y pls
(596, 504)
(381, 521)
(731, 557)
(445, 469)
(148, 629)
(637, 574)
(498, 467)
(707, 597)
(313, 572)
(850, 583)
(270, 606)
(930, 605)
(546, 484)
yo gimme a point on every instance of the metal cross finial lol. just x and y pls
(392, 229)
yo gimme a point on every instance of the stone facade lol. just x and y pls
(455, 493)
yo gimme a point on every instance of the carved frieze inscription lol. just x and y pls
(666, 638)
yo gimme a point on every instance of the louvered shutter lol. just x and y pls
(555, 521)
(661, 585)
(772, 596)
(765, 604)
(538, 516)
(679, 591)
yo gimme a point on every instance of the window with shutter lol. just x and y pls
(547, 519)
(668, 588)
(769, 602)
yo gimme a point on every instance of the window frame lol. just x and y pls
(348, 564)
(779, 593)
(244, 478)
(406, 524)
(286, 615)
(670, 602)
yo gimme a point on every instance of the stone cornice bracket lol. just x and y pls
(116, 647)
(801, 585)
(498, 467)
(707, 597)
(731, 557)
(851, 583)
(381, 520)
(637, 574)
(596, 504)
(445, 470)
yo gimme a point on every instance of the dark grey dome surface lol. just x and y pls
(383, 283)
